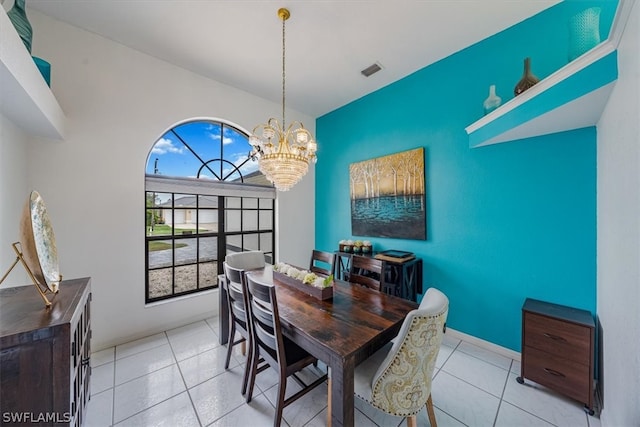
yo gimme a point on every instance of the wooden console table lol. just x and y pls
(407, 276)
(44, 354)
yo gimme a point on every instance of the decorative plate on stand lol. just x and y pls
(39, 243)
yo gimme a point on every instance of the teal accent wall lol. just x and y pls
(504, 222)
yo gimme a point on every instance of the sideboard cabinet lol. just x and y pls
(558, 349)
(44, 355)
(405, 275)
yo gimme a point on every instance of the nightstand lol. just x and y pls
(558, 349)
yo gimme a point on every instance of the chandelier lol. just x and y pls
(283, 153)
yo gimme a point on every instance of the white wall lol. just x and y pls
(619, 237)
(296, 222)
(14, 191)
(118, 102)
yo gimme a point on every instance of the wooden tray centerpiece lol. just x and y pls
(303, 280)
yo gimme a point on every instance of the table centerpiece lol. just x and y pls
(303, 280)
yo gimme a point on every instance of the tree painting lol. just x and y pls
(388, 196)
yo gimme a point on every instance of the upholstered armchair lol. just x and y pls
(397, 378)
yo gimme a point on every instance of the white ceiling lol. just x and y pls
(328, 43)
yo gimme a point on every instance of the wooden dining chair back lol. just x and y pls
(277, 350)
(322, 263)
(367, 271)
(237, 303)
(404, 391)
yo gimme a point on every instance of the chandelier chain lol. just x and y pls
(283, 70)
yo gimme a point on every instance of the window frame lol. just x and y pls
(183, 186)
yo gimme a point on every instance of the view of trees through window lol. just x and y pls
(189, 232)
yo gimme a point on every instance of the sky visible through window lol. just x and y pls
(185, 149)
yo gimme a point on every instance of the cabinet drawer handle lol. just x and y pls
(554, 337)
(553, 372)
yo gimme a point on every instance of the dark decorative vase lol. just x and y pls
(527, 80)
(18, 17)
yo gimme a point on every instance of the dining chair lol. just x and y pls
(247, 260)
(369, 272)
(238, 317)
(321, 262)
(234, 266)
(397, 378)
(277, 350)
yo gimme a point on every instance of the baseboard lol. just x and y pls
(503, 351)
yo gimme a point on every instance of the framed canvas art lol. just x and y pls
(388, 196)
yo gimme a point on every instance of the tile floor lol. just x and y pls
(177, 378)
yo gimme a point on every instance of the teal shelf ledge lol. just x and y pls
(571, 98)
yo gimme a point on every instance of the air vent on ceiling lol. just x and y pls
(371, 69)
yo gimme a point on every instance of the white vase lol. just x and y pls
(492, 102)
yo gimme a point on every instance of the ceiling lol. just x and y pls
(328, 42)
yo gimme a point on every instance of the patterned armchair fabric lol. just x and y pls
(397, 378)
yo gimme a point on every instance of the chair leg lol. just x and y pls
(232, 336)
(412, 421)
(247, 367)
(431, 413)
(253, 371)
(329, 402)
(282, 387)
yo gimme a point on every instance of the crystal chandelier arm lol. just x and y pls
(273, 122)
(302, 137)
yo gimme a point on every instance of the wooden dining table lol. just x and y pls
(341, 332)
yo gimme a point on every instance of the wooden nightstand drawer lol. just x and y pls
(558, 337)
(565, 376)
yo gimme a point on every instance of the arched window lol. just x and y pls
(204, 198)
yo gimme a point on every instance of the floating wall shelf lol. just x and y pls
(25, 98)
(571, 98)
